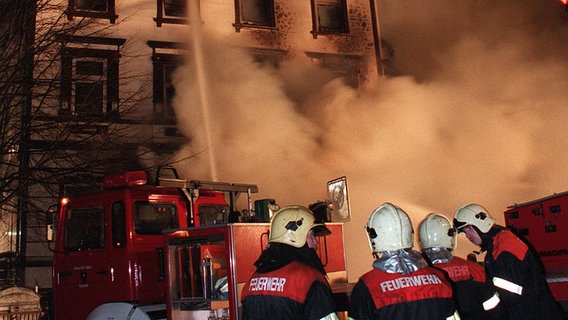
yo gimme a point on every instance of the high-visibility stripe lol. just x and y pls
(331, 316)
(455, 316)
(508, 285)
(491, 302)
(554, 280)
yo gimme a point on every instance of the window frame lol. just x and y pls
(162, 18)
(241, 22)
(348, 66)
(118, 225)
(271, 57)
(110, 14)
(89, 83)
(164, 54)
(94, 50)
(316, 25)
(80, 236)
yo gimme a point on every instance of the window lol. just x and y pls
(153, 218)
(85, 229)
(118, 224)
(166, 57)
(89, 77)
(342, 65)
(254, 13)
(268, 57)
(329, 17)
(102, 9)
(89, 88)
(171, 11)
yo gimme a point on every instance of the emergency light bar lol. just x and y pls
(125, 179)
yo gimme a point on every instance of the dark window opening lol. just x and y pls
(166, 58)
(347, 67)
(95, 68)
(175, 8)
(172, 11)
(99, 9)
(169, 90)
(172, 132)
(268, 57)
(89, 98)
(329, 17)
(254, 13)
(92, 5)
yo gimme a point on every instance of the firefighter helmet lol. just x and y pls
(290, 225)
(437, 231)
(389, 228)
(474, 215)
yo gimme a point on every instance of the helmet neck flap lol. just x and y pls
(438, 254)
(399, 261)
(277, 255)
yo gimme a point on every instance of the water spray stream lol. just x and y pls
(197, 50)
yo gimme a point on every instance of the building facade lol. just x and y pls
(107, 76)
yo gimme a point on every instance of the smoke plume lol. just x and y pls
(477, 113)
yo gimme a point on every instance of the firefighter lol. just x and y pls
(401, 285)
(475, 298)
(510, 264)
(290, 281)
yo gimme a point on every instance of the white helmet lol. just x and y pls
(474, 215)
(437, 231)
(290, 225)
(389, 228)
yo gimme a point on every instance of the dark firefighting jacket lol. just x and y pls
(289, 283)
(422, 294)
(475, 298)
(518, 277)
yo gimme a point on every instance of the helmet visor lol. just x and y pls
(458, 225)
(320, 230)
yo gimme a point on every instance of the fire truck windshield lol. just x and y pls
(84, 229)
(153, 218)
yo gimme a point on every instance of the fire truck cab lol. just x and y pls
(110, 245)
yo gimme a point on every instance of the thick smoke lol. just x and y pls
(477, 114)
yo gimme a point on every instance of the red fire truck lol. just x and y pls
(138, 251)
(544, 224)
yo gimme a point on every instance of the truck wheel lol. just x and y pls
(118, 311)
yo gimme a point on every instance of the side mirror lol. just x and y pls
(50, 224)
